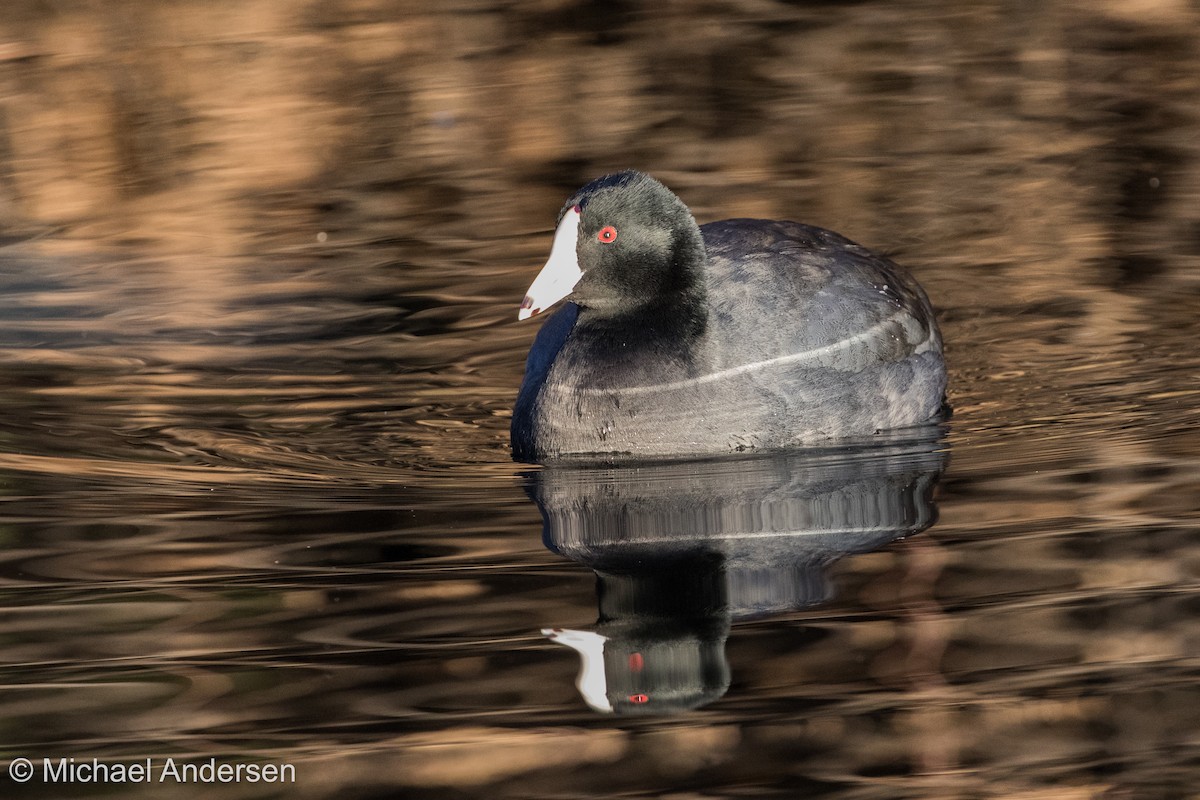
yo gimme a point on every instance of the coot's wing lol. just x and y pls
(784, 290)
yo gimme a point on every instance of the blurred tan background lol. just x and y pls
(1056, 139)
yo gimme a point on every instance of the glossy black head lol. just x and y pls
(625, 245)
(639, 246)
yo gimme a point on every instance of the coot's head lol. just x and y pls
(624, 245)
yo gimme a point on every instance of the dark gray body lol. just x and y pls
(808, 337)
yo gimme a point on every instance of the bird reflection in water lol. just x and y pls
(682, 550)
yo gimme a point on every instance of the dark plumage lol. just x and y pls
(741, 334)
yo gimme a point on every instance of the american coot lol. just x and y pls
(684, 340)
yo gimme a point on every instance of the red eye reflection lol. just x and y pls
(607, 234)
(636, 662)
(638, 699)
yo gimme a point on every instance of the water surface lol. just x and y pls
(257, 501)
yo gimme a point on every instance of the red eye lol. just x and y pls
(607, 234)
(638, 699)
